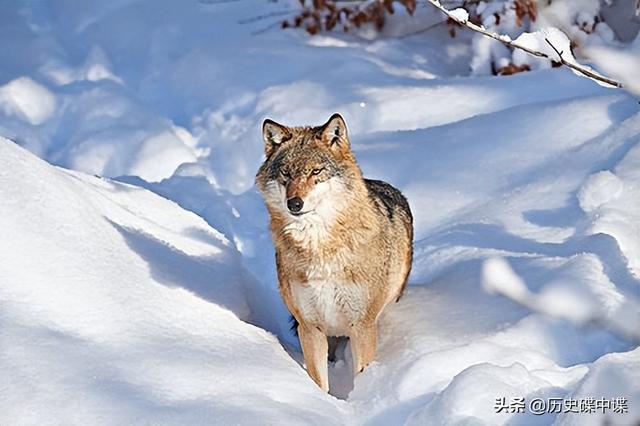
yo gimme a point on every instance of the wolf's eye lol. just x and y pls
(285, 174)
(316, 171)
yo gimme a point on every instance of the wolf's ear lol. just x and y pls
(334, 134)
(274, 135)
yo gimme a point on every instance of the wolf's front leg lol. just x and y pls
(315, 351)
(363, 339)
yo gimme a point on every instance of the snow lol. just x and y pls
(623, 64)
(147, 294)
(460, 15)
(612, 374)
(555, 45)
(498, 277)
(27, 100)
(111, 316)
(600, 188)
(549, 41)
(615, 212)
(590, 25)
(561, 298)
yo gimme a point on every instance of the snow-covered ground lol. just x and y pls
(148, 295)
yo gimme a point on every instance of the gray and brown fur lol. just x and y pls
(343, 243)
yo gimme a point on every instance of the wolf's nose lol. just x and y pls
(295, 204)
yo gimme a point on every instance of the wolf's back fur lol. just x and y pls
(394, 204)
(388, 196)
(345, 250)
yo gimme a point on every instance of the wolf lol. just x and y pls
(343, 243)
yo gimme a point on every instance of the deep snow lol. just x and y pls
(119, 306)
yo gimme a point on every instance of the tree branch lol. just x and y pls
(585, 71)
(506, 40)
(499, 278)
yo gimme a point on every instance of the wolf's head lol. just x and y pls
(309, 172)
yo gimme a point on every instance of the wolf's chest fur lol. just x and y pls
(332, 306)
(327, 298)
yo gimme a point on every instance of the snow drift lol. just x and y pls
(118, 307)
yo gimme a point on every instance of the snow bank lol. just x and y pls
(119, 306)
(612, 201)
(609, 377)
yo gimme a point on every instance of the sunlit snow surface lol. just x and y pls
(121, 306)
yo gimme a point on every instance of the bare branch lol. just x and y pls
(423, 30)
(499, 278)
(506, 40)
(554, 48)
(589, 73)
